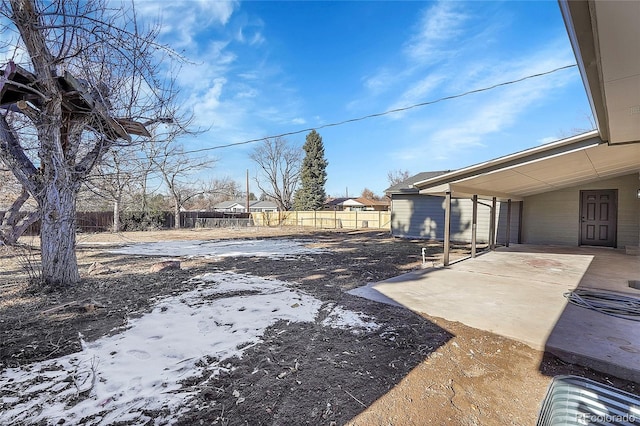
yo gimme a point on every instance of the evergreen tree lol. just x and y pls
(311, 195)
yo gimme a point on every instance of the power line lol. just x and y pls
(380, 114)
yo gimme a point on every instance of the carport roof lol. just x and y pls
(549, 167)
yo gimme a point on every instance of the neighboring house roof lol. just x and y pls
(406, 186)
(336, 201)
(254, 204)
(549, 167)
(263, 205)
(355, 201)
(604, 36)
(230, 204)
(369, 202)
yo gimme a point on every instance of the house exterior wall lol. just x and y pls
(554, 217)
(422, 216)
(233, 208)
(365, 208)
(263, 209)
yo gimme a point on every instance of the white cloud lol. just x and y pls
(379, 81)
(257, 39)
(224, 89)
(417, 93)
(469, 121)
(211, 99)
(437, 27)
(436, 39)
(254, 39)
(183, 20)
(249, 75)
(248, 93)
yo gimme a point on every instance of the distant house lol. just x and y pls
(356, 204)
(414, 215)
(263, 206)
(240, 206)
(231, 206)
(335, 203)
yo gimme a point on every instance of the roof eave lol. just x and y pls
(460, 191)
(534, 154)
(579, 19)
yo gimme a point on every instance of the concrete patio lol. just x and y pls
(517, 292)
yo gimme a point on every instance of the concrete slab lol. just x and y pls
(518, 291)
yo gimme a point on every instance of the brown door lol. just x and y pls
(598, 211)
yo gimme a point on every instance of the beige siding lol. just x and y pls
(422, 216)
(324, 219)
(553, 217)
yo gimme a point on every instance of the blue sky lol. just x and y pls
(263, 68)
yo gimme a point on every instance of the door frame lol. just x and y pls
(614, 214)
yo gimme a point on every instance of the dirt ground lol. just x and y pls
(414, 370)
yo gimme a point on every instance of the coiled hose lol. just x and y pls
(612, 304)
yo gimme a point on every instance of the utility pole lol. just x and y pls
(248, 191)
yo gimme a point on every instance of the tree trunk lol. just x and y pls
(116, 216)
(176, 215)
(58, 234)
(143, 207)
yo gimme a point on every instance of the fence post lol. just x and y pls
(356, 227)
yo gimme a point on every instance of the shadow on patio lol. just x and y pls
(518, 292)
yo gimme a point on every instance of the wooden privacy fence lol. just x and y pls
(325, 219)
(103, 221)
(85, 222)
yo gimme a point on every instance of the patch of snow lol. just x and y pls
(140, 368)
(116, 378)
(270, 248)
(349, 320)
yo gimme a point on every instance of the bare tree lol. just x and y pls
(215, 191)
(145, 167)
(113, 178)
(89, 75)
(279, 170)
(176, 169)
(369, 194)
(394, 177)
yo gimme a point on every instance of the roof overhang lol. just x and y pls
(605, 36)
(549, 167)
